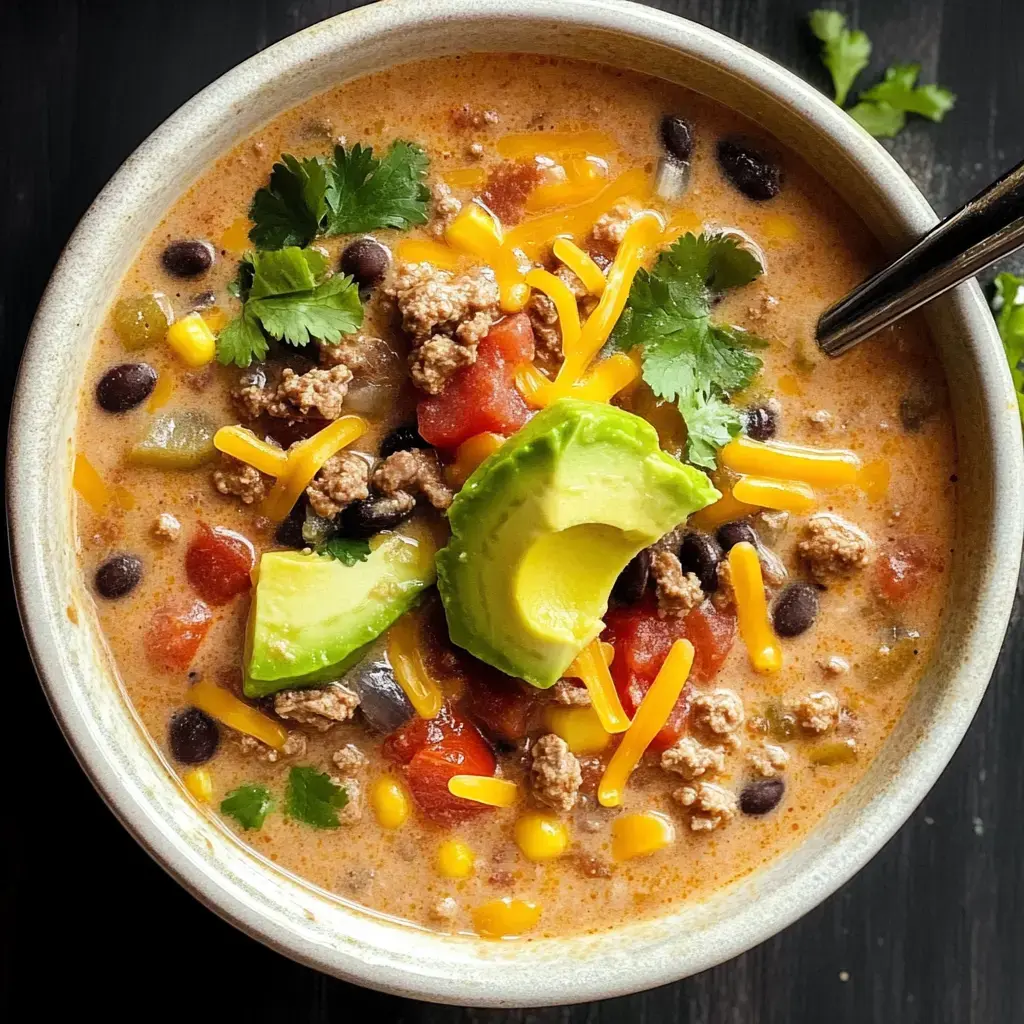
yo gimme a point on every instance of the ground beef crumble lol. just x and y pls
(711, 805)
(719, 712)
(817, 712)
(445, 315)
(166, 527)
(555, 773)
(240, 480)
(352, 812)
(445, 208)
(610, 229)
(413, 472)
(359, 352)
(678, 592)
(294, 746)
(342, 479)
(317, 394)
(320, 709)
(349, 759)
(833, 548)
(691, 759)
(570, 693)
(768, 759)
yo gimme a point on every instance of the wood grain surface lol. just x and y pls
(931, 931)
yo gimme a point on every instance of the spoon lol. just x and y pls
(985, 229)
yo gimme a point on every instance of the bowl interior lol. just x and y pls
(70, 653)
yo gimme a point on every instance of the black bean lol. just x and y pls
(193, 736)
(125, 386)
(760, 422)
(289, 533)
(762, 796)
(365, 518)
(366, 260)
(756, 174)
(677, 136)
(631, 585)
(188, 258)
(402, 439)
(795, 609)
(700, 554)
(117, 576)
(731, 534)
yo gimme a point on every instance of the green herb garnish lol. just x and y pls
(1008, 306)
(881, 110)
(312, 797)
(844, 52)
(687, 359)
(354, 191)
(348, 550)
(286, 294)
(249, 805)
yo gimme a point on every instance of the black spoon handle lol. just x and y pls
(987, 228)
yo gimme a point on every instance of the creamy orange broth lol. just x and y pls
(815, 250)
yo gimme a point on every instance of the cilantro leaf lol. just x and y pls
(1008, 305)
(282, 299)
(900, 91)
(879, 119)
(249, 805)
(844, 52)
(347, 550)
(325, 312)
(281, 271)
(365, 193)
(311, 797)
(288, 210)
(687, 359)
(242, 341)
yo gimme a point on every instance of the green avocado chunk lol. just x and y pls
(312, 614)
(543, 527)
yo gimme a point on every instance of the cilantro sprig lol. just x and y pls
(1008, 306)
(686, 358)
(351, 192)
(312, 798)
(249, 805)
(347, 550)
(287, 295)
(881, 110)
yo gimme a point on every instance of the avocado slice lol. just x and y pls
(543, 527)
(311, 615)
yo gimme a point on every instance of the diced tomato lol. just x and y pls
(500, 705)
(433, 752)
(901, 569)
(482, 397)
(175, 632)
(642, 641)
(218, 564)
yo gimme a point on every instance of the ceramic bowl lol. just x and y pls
(280, 909)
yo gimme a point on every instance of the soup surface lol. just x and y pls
(462, 287)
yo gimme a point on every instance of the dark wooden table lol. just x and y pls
(931, 931)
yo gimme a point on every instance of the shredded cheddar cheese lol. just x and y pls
(245, 446)
(580, 263)
(725, 510)
(591, 666)
(530, 145)
(423, 250)
(785, 495)
(410, 672)
(652, 714)
(236, 714)
(762, 645)
(818, 467)
(484, 789)
(565, 303)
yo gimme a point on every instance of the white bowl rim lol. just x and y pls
(25, 504)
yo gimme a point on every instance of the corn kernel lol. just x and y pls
(455, 859)
(389, 802)
(505, 918)
(199, 783)
(541, 836)
(637, 835)
(581, 728)
(192, 339)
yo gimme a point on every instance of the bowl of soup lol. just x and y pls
(439, 536)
